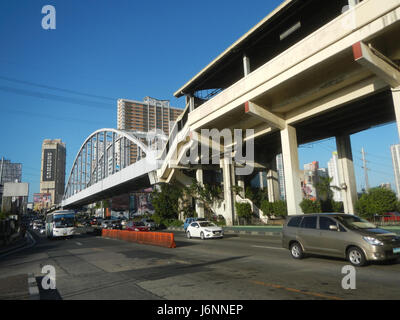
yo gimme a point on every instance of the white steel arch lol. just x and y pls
(106, 152)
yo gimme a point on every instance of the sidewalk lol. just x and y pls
(14, 288)
(16, 244)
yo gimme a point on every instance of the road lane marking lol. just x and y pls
(78, 243)
(264, 247)
(314, 294)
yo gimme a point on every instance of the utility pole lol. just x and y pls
(365, 170)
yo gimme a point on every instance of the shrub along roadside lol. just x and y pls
(277, 208)
(376, 201)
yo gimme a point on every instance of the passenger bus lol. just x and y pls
(60, 223)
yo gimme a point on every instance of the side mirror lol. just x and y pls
(333, 228)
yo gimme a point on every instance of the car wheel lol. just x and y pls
(202, 236)
(188, 235)
(296, 251)
(356, 257)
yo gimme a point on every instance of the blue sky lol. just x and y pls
(123, 49)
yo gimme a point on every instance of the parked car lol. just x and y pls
(391, 217)
(96, 221)
(106, 224)
(136, 226)
(204, 230)
(116, 224)
(37, 224)
(188, 221)
(339, 235)
(42, 230)
(150, 223)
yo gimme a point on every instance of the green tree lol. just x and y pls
(376, 201)
(266, 207)
(243, 210)
(277, 208)
(324, 188)
(310, 206)
(166, 201)
(280, 208)
(207, 194)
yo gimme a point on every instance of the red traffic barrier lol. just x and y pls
(162, 239)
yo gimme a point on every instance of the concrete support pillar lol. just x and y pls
(228, 196)
(273, 182)
(261, 179)
(241, 184)
(346, 173)
(190, 102)
(291, 167)
(396, 102)
(353, 3)
(246, 65)
(199, 204)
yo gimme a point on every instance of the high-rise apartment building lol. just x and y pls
(145, 116)
(10, 172)
(52, 178)
(395, 150)
(333, 172)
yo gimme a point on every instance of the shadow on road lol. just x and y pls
(47, 294)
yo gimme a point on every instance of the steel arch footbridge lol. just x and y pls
(103, 166)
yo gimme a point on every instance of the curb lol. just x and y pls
(33, 287)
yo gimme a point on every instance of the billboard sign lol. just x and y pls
(14, 189)
(41, 200)
(49, 161)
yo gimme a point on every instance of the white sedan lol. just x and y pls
(204, 230)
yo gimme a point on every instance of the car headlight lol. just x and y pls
(373, 241)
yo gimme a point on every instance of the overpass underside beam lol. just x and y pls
(384, 68)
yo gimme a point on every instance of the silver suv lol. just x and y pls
(339, 235)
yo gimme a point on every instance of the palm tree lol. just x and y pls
(324, 188)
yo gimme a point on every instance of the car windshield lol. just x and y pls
(139, 224)
(354, 222)
(64, 221)
(207, 224)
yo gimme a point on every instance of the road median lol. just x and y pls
(162, 239)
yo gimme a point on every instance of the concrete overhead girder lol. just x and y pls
(376, 62)
(271, 119)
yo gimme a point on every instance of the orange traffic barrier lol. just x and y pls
(162, 239)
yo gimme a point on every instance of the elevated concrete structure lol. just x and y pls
(298, 77)
(310, 70)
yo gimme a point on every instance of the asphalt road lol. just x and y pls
(233, 268)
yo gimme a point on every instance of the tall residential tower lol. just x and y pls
(145, 116)
(52, 178)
